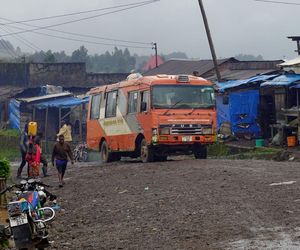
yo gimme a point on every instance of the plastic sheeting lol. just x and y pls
(295, 86)
(222, 86)
(14, 114)
(65, 102)
(283, 80)
(241, 112)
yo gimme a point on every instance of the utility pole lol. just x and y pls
(296, 39)
(211, 45)
(155, 48)
(25, 70)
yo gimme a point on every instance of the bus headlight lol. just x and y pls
(164, 131)
(154, 138)
(207, 131)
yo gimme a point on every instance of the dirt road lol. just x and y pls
(179, 204)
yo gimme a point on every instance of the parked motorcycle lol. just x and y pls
(81, 152)
(27, 217)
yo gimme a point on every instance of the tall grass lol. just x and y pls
(9, 132)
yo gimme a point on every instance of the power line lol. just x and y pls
(81, 40)
(86, 41)
(8, 49)
(81, 19)
(78, 13)
(22, 40)
(74, 34)
(277, 2)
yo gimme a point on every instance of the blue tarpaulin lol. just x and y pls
(237, 83)
(295, 86)
(240, 112)
(65, 102)
(283, 80)
(14, 114)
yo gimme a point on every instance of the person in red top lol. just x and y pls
(33, 157)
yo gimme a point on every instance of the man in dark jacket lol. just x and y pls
(61, 151)
(24, 142)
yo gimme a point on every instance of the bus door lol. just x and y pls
(144, 116)
(131, 119)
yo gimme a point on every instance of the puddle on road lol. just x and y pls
(270, 239)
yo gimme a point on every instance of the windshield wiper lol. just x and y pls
(174, 105)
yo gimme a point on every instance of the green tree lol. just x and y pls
(247, 57)
(79, 55)
(49, 57)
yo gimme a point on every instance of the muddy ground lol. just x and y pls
(178, 204)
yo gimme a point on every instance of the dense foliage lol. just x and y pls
(4, 168)
(9, 132)
(246, 57)
(116, 61)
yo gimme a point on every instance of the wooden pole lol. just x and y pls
(33, 114)
(298, 116)
(3, 200)
(59, 118)
(46, 128)
(210, 41)
(80, 127)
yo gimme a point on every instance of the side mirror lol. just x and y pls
(143, 106)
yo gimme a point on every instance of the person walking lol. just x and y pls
(43, 158)
(24, 143)
(66, 131)
(33, 157)
(61, 152)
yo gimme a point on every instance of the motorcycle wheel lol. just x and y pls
(84, 156)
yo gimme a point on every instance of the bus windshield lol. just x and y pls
(182, 97)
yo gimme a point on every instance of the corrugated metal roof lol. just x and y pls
(292, 62)
(283, 80)
(44, 97)
(7, 92)
(228, 75)
(230, 69)
(177, 67)
(65, 102)
(295, 86)
(222, 86)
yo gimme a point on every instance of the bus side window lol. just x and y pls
(144, 101)
(95, 107)
(111, 104)
(132, 102)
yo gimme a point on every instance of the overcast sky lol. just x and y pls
(237, 26)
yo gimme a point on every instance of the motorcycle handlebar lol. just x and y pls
(7, 189)
(43, 184)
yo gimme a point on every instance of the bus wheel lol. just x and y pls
(146, 152)
(200, 151)
(105, 155)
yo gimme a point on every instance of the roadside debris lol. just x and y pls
(283, 183)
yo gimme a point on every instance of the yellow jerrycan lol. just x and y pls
(32, 128)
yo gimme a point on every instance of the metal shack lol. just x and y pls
(279, 108)
(49, 111)
(238, 106)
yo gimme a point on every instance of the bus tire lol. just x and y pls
(146, 152)
(105, 155)
(200, 151)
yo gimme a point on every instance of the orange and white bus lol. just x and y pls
(152, 117)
